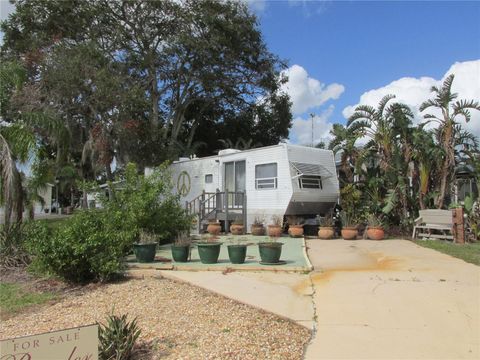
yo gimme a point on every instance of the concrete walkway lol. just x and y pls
(368, 300)
(393, 300)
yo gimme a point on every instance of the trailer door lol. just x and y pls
(235, 180)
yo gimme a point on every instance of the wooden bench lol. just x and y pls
(436, 220)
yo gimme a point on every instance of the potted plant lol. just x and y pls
(257, 227)
(181, 247)
(326, 230)
(349, 226)
(237, 227)
(275, 228)
(209, 249)
(214, 227)
(270, 251)
(375, 230)
(146, 247)
(237, 252)
(295, 227)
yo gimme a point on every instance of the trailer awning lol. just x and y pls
(311, 169)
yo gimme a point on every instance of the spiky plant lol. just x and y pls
(117, 337)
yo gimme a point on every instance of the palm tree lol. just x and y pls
(17, 141)
(11, 198)
(344, 141)
(426, 155)
(448, 128)
(378, 124)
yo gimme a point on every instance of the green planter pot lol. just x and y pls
(270, 252)
(180, 253)
(209, 252)
(145, 252)
(237, 253)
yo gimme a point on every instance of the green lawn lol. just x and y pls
(14, 298)
(468, 252)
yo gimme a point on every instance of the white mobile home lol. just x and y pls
(274, 180)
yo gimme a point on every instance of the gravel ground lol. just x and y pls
(178, 321)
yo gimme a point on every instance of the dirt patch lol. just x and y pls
(178, 321)
(20, 276)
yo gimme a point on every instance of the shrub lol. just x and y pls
(117, 338)
(148, 203)
(87, 246)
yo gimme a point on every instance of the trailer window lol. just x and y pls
(208, 179)
(310, 182)
(266, 176)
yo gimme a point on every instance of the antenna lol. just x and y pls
(312, 115)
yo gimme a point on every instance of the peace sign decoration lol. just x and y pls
(183, 183)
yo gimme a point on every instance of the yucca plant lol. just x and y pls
(117, 338)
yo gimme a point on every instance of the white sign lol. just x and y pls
(80, 343)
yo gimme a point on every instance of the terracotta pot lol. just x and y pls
(258, 230)
(349, 233)
(375, 233)
(274, 230)
(326, 232)
(214, 228)
(236, 229)
(295, 230)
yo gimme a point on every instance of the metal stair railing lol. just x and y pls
(207, 204)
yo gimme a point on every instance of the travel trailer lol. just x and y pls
(284, 180)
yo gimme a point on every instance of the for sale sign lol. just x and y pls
(80, 343)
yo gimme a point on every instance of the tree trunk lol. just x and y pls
(84, 200)
(155, 97)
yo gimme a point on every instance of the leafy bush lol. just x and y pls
(117, 338)
(87, 246)
(147, 203)
(92, 244)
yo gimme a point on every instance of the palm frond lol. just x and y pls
(390, 201)
(427, 104)
(447, 84)
(383, 102)
(464, 112)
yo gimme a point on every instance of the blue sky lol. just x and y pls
(366, 46)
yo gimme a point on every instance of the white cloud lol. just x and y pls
(413, 91)
(309, 7)
(306, 92)
(301, 131)
(257, 6)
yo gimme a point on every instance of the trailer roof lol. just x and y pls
(249, 150)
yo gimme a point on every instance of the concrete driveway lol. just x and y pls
(392, 300)
(368, 300)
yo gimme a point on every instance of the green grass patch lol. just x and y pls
(467, 252)
(14, 298)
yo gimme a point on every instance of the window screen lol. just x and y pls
(266, 176)
(310, 182)
(208, 179)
